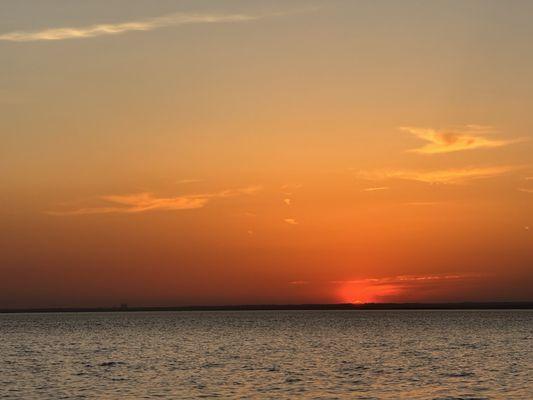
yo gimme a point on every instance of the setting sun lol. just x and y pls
(360, 293)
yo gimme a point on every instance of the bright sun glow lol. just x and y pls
(360, 293)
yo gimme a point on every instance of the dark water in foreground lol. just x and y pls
(281, 354)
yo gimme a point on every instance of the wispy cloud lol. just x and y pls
(290, 221)
(444, 176)
(407, 278)
(375, 189)
(287, 201)
(446, 141)
(289, 188)
(143, 202)
(393, 288)
(527, 189)
(124, 27)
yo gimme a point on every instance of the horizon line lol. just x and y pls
(459, 305)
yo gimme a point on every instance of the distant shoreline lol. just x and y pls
(525, 305)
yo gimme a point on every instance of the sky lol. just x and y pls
(186, 152)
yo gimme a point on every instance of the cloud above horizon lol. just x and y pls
(389, 288)
(375, 189)
(408, 278)
(145, 201)
(444, 176)
(150, 24)
(446, 141)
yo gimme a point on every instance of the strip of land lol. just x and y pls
(525, 305)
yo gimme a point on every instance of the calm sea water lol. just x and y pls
(287, 354)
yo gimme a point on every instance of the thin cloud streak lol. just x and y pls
(124, 27)
(389, 288)
(447, 141)
(375, 189)
(288, 188)
(445, 176)
(409, 278)
(143, 202)
(290, 221)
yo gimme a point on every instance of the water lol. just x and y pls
(281, 354)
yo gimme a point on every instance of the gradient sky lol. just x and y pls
(221, 152)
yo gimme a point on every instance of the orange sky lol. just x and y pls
(220, 152)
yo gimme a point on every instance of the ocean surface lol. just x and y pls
(268, 354)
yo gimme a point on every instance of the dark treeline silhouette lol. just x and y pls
(280, 307)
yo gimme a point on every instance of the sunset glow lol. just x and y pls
(244, 152)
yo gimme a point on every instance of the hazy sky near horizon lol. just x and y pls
(216, 152)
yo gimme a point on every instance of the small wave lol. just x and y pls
(459, 374)
(292, 380)
(111, 363)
